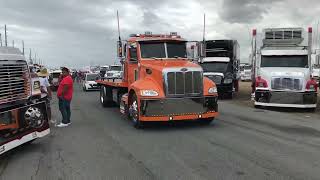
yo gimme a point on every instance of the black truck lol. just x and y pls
(220, 60)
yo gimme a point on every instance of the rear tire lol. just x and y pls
(133, 112)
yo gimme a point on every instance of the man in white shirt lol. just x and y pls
(46, 93)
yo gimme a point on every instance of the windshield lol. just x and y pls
(300, 61)
(55, 75)
(217, 53)
(92, 77)
(157, 50)
(115, 68)
(221, 67)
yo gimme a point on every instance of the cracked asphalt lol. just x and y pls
(243, 143)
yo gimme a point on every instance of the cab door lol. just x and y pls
(132, 60)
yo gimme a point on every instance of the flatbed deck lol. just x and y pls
(113, 82)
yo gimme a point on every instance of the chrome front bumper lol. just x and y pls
(286, 99)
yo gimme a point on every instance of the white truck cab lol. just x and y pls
(283, 70)
(114, 72)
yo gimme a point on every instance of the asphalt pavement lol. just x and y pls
(243, 143)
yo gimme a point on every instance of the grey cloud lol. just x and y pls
(244, 11)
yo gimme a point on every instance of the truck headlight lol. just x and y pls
(150, 93)
(227, 81)
(212, 90)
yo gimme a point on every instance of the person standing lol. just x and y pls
(65, 92)
(46, 93)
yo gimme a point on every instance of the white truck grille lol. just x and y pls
(14, 81)
(286, 83)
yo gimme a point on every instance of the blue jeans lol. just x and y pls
(64, 107)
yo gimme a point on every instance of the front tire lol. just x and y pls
(134, 112)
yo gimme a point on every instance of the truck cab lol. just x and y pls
(114, 71)
(283, 69)
(245, 72)
(220, 63)
(159, 83)
(23, 114)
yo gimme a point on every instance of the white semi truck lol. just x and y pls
(282, 68)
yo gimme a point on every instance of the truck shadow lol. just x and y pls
(177, 125)
(288, 110)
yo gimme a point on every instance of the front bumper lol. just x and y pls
(286, 99)
(225, 88)
(178, 109)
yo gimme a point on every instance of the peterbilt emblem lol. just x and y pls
(183, 69)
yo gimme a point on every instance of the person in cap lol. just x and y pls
(46, 93)
(65, 92)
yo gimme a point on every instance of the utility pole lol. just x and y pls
(35, 57)
(0, 39)
(23, 47)
(5, 35)
(30, 58)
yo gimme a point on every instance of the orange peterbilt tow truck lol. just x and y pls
(23, 114)
(159, 83)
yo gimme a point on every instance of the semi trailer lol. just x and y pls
(282, 68)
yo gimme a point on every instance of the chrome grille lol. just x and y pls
(178, 83)
(215, 78)
(14, 84)
(286, 83)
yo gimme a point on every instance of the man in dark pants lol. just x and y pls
(65, 92)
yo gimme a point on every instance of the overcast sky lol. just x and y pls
(77, 33)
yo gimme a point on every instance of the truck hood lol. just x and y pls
(285, 72)
(159, 65)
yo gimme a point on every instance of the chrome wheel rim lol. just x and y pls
(134, 111)
(34, 117)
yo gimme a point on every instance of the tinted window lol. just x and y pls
(215, 67)
(152, 50)
(92, 77)
(56, 75)
(115, 68)
(285, 61)
(176, 50)
(133, 54)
